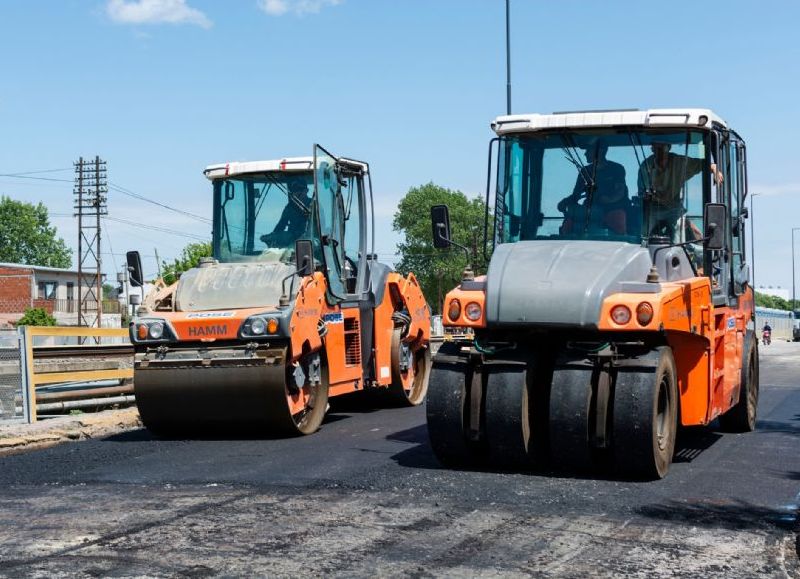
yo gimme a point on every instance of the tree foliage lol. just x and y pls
(26, 236)
(189, 258)
(439, 271)
(36, 317)
(774, 302)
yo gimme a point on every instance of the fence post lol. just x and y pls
(26, 374)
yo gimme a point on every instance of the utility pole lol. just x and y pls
(90, 205)
(508, 57)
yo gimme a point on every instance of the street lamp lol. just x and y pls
(793, 284)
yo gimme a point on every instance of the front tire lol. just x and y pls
(646, 416)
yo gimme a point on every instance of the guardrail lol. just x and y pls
(31, 379)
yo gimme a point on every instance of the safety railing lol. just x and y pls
(31, 378)
(10, 376)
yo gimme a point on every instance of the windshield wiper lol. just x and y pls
(292, 198)
(572, 157)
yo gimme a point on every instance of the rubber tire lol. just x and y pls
(508, 415)
(570, 414)
(742, 416)
(447, 406)
(421, 360)
(637, 452)
(313, 419)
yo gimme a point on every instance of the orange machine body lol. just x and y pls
(707, 341)
(341, 340)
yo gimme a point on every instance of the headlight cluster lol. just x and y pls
(472, 312)
(260, 326)
(151, 330)
(621, 315)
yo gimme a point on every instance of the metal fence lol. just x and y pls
(11, 390)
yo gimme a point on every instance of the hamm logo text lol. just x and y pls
(203, 331)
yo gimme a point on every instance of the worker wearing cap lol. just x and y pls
(609, 193)
(663, 175)
(292, 224)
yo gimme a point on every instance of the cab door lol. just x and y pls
(343, 319)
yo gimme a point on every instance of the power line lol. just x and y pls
(156, 228)
(23, 173)
(130, 193)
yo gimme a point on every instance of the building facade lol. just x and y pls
(54, 289)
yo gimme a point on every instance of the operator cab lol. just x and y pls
(262, 208)
(637, 177)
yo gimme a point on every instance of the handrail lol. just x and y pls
(31, 378)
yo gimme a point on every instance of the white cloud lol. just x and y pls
(155, 12)
(300, 7)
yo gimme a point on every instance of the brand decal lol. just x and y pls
(731, 323)
(334, 318)
(204, 315)
(205, 331)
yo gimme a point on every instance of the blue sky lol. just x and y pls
(162, 88)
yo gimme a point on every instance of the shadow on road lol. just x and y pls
(733, 515)
(691, 444)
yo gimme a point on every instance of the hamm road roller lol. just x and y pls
(616, 305)
(291, 309)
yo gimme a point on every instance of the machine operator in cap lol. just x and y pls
(609, 193)
(292, 224)
(664, 174)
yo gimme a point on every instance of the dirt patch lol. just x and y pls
(16, 438)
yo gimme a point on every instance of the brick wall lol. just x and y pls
(15, 289)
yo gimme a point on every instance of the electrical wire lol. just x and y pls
(129, 193)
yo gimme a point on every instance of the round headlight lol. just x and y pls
(454, 310)
(644, 313)
(621, 315)
(156, 331)
(258, 326)
(473, 311)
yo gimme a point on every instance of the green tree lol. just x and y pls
(438, 271)
(189, 258)
(774, 302)
(36, 317)
(26, 236)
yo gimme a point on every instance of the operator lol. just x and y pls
(767, 328)
(665, 174)
(610, 200)
(292, 223)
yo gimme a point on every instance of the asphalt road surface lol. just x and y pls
(366, 497)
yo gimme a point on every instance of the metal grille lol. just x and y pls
(10, 379)
(352, 342)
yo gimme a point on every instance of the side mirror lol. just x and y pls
(440, 221)
(714, 222)
(135, 268)
(304, 256)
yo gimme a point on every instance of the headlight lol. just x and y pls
(473, 311)
(156, 331)
(258, 326)
(150, 330)
(644, 313)
(621, 315)
(454, 311)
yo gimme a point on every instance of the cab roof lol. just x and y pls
(287, 164)
(680, 118)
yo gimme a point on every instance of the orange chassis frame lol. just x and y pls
(341, 343)
(707, 342)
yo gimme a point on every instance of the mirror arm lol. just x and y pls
(468, 273)
(283, 301)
